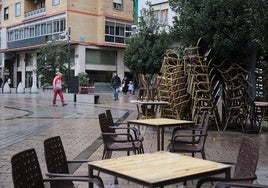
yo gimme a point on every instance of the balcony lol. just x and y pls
(34, 13)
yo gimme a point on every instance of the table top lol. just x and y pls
(261, 104)
(161, 122)
(158, 167)
(150, 102)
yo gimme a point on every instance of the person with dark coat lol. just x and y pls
(125, 85)
(115, 84)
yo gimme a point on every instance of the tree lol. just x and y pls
(146, 48)
(231, 28)
(51, 58)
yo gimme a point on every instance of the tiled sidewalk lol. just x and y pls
(27, 121)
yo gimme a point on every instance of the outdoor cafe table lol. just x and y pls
(144, 106)
(160, 124)
(158, 169)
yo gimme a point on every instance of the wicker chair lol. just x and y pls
(110, 140)
(26, 172)
(193, 142)
(245, 167)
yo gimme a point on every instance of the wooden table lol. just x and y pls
(160, 124)
(158, 169)
(263, 106)
(148, 109)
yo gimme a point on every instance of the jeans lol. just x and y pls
(115, 91)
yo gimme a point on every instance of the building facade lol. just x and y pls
(97, 38)
(162, 10)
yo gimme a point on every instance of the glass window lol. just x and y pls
(100, 57)
(118, 4)
(43, 29)
(117, 31)
(56, 26)
(6, 13)
(49, 28)
(62, 25)
(17, 9)
(32, 34)
(55, 2)
(26, 32)
(37, 30)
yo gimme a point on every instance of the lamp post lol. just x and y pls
(69, 61)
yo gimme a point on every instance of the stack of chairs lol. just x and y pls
(148, 87)
(200, 79)
(237, 100)
(178, 93)
(172, 87)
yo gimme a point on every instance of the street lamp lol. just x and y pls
(67, 38)
(69, 61)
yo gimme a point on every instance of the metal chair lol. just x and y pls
(112, 144)
(56, 160)
(192, 142)
(113, 126)
(245, 166)
(26, 172)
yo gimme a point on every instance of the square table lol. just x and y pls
(144, 106)
(158, 169)
(160, 124)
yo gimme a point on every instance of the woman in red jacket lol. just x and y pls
(57, 89)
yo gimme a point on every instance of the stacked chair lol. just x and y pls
(172, 87)
(237, 100)
(200, 81)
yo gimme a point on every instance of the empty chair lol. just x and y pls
(26, 173)
(113, 126)
(192, 142)
(112, 144)
(245, 166)
(56, 160)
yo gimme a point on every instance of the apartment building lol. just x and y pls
(97, 38)
(162, 10)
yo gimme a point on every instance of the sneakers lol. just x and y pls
(64, 104)
(54, 105)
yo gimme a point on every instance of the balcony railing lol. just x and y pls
(35, 13)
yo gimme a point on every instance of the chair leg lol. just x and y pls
(203, 154)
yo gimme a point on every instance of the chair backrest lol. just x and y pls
(104, 126)
(55, 156)
(26, 171)
(247, 158)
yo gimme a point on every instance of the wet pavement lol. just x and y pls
(28, 119)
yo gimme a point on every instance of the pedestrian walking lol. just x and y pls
(130, 88)
(125, 85)
(57, 89)
(115, 84)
